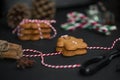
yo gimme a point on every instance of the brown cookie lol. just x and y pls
(24, 37)
(44, 25)
(34, 31)
(25, 25)
(34, 25)
(34, 37)
(74, 52)
(71, 46)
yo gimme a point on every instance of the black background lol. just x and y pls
(8, 70)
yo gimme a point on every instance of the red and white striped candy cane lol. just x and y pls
(50, 54)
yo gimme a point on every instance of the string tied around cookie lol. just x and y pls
(42, 56)
(17, 29)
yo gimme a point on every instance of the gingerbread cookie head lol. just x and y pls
(71, 46)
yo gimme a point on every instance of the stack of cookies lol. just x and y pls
(34, 30)
(71, 46)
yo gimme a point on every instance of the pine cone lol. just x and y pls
(43, 9)
(16, 13)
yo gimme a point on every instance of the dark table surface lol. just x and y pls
(8, 70)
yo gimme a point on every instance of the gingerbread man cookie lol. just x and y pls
(71, 46)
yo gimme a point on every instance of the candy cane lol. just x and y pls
(75, 20)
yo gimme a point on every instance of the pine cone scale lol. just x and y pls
(43, 9)
(17, 13)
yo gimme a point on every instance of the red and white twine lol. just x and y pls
(40, 54)
(106, 48)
